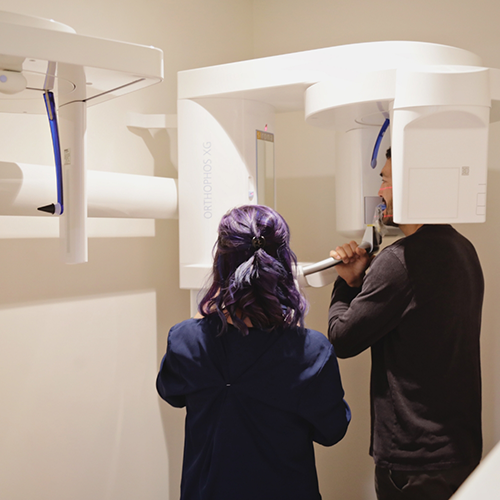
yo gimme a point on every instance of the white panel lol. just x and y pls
(427, 184)
(439, 138)
(80, 416)
(484, 482)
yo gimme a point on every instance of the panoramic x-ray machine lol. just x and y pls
(438, 100)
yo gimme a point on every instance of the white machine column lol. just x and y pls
(72, 127)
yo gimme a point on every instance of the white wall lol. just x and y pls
(78, 417)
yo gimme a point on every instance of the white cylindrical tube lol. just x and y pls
(131, 196)
(26, 187)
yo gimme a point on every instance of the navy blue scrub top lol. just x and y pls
(254, 406)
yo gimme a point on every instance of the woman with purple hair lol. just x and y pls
(257, 385)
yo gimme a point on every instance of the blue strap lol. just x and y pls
(373, 163)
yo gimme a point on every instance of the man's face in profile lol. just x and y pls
(385, 192)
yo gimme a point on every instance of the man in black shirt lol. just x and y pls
(419, 309)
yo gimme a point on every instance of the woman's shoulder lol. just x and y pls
(186, 331)
(319, 342)
(310, 342)
(316, 338)
(305, 351)
(186, 325)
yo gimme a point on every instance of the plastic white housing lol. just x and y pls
(440, 124)
(217, 159)
(12, 82)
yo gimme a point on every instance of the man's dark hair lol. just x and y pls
(388, 154)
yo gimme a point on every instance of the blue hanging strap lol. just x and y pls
(373, 163)
(54, 208)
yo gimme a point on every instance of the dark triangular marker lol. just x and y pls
(50, 209)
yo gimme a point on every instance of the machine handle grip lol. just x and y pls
(330, 262)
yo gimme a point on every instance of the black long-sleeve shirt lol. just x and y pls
(255, 404)
(419, 309)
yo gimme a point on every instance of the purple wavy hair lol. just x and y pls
(249, 282)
